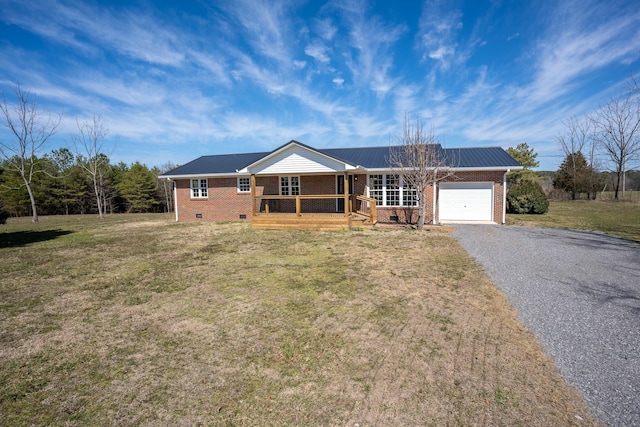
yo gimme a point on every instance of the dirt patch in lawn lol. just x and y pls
(186, 324)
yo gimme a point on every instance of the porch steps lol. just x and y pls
(274, 222)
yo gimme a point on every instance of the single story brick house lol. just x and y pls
(298, 186)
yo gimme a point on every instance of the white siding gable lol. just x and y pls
(295, 160)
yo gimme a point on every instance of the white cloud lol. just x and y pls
(442, 53)
(299, 64)
(372, 39)
(129, 33)
(318, 51)
(266, 25)
(326, 29)
(576, 46)
(438, 32)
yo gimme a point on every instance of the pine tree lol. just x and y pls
(573, 175)
(138, 188)
(527, 158)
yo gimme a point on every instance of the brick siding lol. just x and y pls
(389, 214)
(225, 203)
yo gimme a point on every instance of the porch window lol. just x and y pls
(376, 188)
(409, 195)
(289, 185)
(199, 189)
(392, 190)
(244, 185)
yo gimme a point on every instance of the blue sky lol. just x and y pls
(176, 80)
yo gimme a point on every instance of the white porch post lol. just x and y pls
(253, 195)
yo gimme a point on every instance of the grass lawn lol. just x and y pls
(137, 320)
(617, 218)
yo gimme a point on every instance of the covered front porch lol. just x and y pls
(309, 212)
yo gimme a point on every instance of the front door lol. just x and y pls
(340, 190)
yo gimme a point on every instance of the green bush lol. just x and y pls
(527, 197)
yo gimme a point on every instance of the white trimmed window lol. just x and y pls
(244, 184)
(376, 188)
(391, 190)
(392, 187)
(199, 188)
(409, 195)
(289, 185)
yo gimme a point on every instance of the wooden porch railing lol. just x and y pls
(363, 205)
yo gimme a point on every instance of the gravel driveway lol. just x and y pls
(579, 294)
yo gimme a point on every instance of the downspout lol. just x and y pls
(504, 197)
(175, 199)
(433, 218)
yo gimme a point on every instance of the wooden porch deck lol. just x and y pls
(361, 212)
(309, 221)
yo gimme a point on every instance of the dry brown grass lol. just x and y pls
(147, 322)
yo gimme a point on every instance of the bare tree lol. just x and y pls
(29, 133)
(420, 161)
(88, 145)
(573, 141)
(618, 132)
(596, 165)
(165, 187)
(634, 86)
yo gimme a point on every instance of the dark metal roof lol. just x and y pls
(219, 164)
(366, 157)
(479, 157)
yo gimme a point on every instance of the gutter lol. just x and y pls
(504, 197)
(433, 217)
(175, 200)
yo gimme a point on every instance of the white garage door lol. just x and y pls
(466, 201)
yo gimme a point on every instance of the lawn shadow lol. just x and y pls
(23, 238)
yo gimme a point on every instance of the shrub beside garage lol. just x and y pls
(527, 197)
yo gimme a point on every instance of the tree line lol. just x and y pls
(601, 150)
(76, 180)
(61, 185)
(612, 133)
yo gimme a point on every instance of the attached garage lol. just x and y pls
(465, 201)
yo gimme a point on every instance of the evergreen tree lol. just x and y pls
(13, 192)
(3, 213)
(573, 175)
(69, 189)
(114, 202)
(527, 158)
(138, 188)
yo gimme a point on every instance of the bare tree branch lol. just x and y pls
(618, 132)
(577, 136)
(420, 161)
(88, 144)
(30, 134)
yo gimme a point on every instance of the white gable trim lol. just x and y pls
(295, 158)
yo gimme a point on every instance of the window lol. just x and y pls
(199, 188)
(376, 188)
(409, 195)
(391, 190)
(289, 185)
(244, 185)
